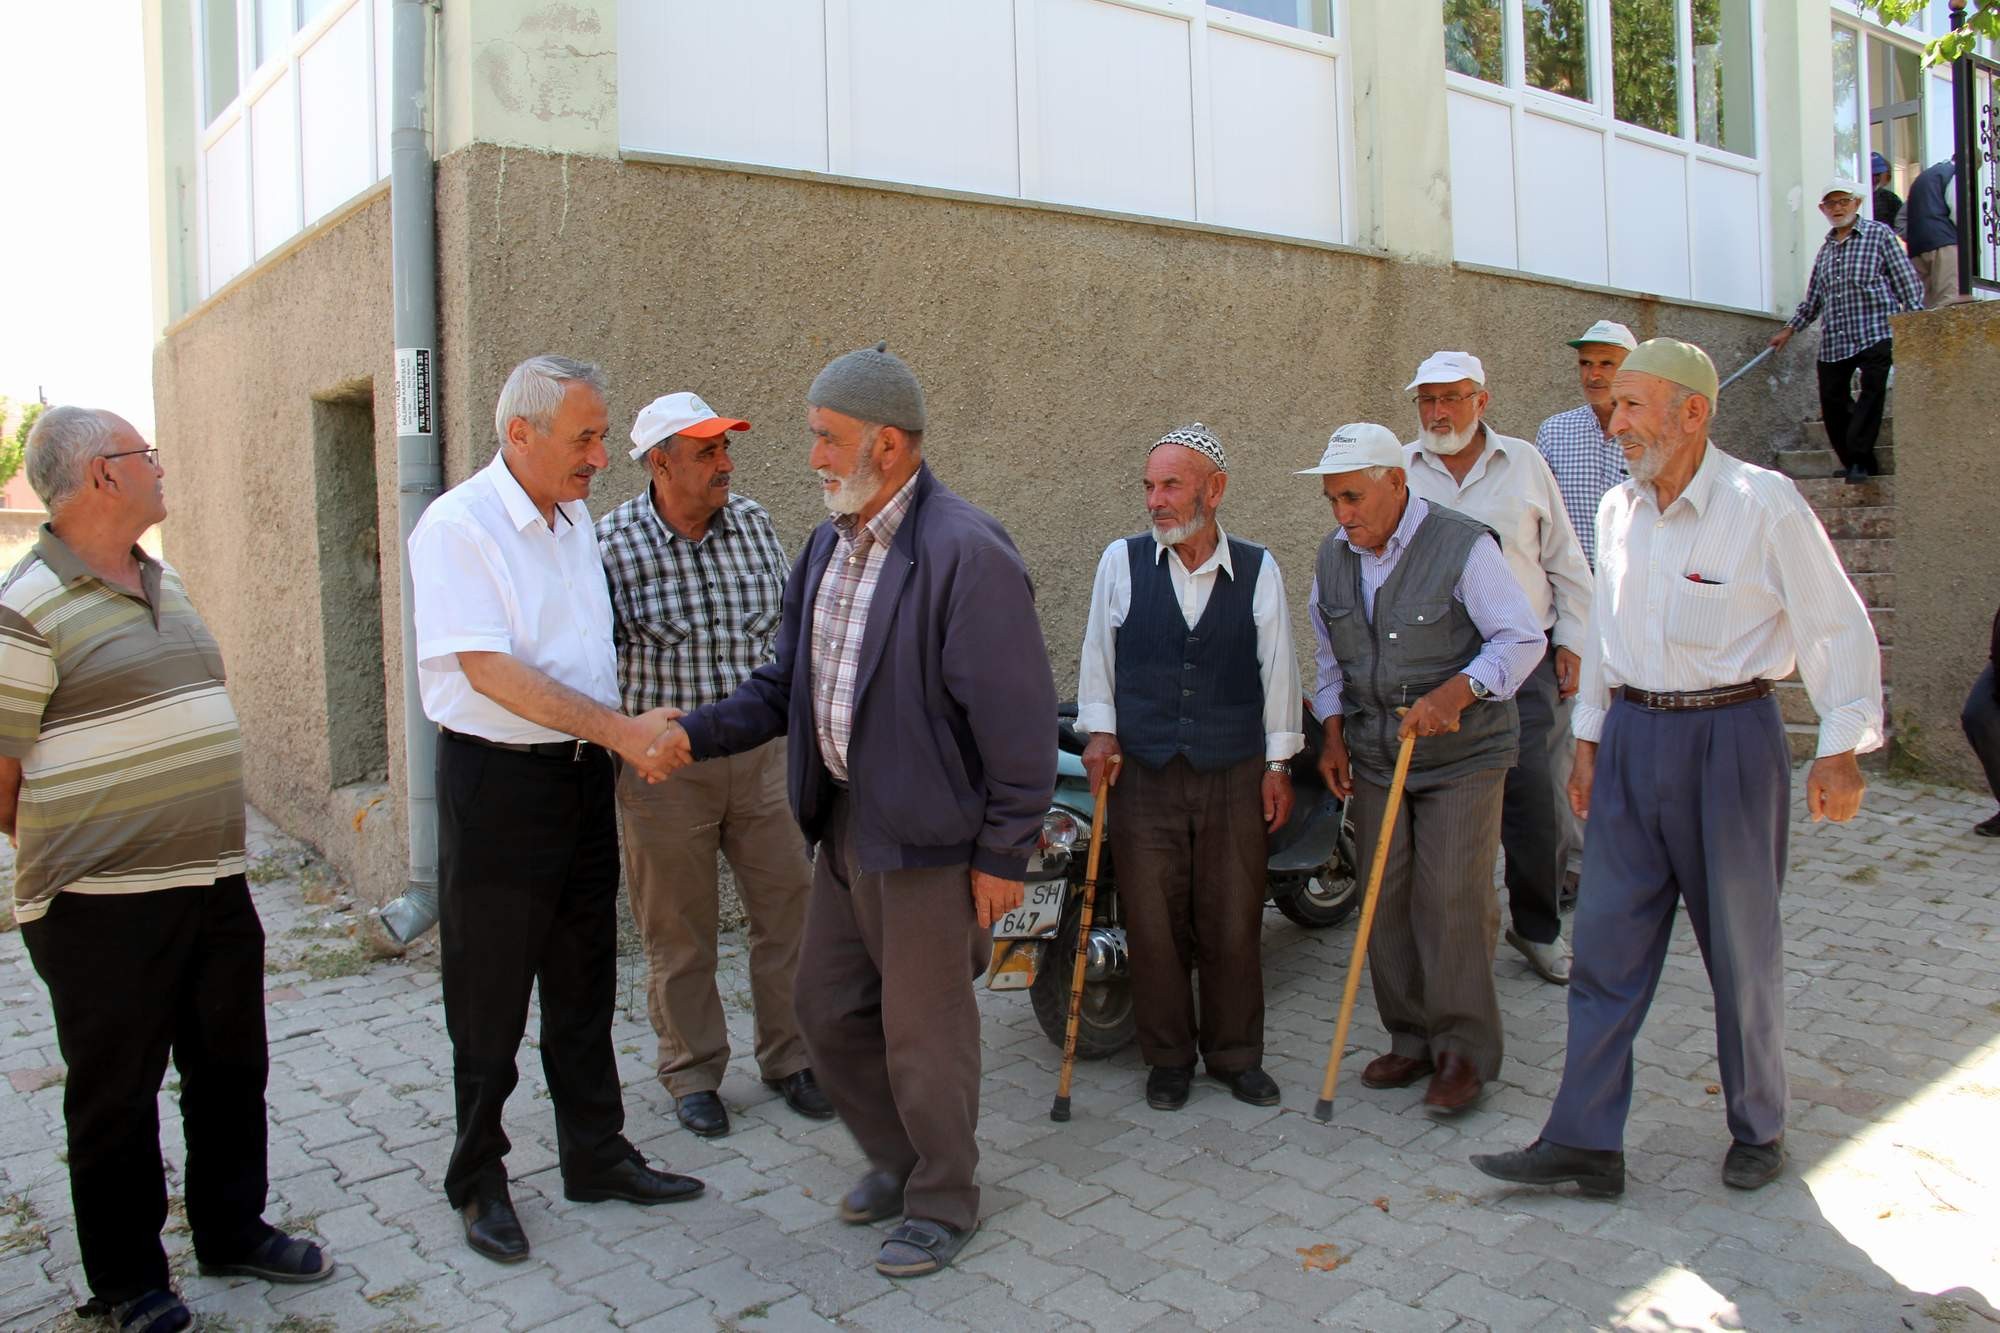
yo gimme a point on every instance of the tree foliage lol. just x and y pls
(1982, 19)
(14, 444)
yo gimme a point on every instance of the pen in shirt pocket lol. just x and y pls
(1706, 583)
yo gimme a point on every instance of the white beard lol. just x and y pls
(855, 490)
(1647, 465)
(1184, 532)
(1450, 442)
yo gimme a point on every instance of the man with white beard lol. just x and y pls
(1459, 462)
(1713, 579)
(1190, 692)
(912, 680)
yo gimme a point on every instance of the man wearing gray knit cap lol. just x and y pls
(907, 657)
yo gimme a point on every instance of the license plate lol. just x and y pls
(1039, 912)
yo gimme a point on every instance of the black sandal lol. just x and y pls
(920, 1246)
(277, 1258)
(155, 1312)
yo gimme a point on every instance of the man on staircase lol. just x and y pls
(1861, 277)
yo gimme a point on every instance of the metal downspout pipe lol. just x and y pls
(419, 461)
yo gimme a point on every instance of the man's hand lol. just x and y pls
(1569, 673)
(1581, 775)
(1102, 758)
(1277, 800)
(1781, 337)
(993, 897)
(1833, 787)
(1334, 768)
(658, 745)
(1437, 712)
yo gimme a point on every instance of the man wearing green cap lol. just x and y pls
(910, 673)
(1714, 578)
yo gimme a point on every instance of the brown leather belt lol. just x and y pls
(573, 751)
(1688, 700)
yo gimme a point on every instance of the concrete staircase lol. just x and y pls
(1861, 520)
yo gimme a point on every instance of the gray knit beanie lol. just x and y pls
(871, 384)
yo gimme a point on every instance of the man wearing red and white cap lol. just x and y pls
(697, 579)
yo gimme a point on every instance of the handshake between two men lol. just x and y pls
(655, 744)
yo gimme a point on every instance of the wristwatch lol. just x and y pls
(1479, 690)
(1277, 765)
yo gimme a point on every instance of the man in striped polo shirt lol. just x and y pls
(121, 781)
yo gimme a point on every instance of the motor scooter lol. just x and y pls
(1310, 877)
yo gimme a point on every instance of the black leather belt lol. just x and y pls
(574, 751)
(1688, 700)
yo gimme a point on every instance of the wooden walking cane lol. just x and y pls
(1060, 1111)
(1323, 1112)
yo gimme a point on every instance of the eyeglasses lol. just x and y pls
(1425, 402)
(152, 455)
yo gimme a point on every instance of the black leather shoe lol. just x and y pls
(874, 1198)
(1598, 1173)
(1988, 829)
(491, 1227)
(1167, 1087)
(702, 1113)
(1252, 1085)
(634, 1182)
(802, 1094)
(1751, 1166)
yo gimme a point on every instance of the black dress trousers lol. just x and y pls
(527, 893)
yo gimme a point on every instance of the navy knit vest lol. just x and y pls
(1195, 693)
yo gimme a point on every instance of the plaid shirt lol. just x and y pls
(1857, 284)
(840, 619)
(1587, 463)
(691, 619)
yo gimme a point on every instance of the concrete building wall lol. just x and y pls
(1054, 347)
(1947, 573)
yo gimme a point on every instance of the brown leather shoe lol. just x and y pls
(1455, 1086)
(1395, 1071)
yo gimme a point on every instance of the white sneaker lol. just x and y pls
(1551, 961)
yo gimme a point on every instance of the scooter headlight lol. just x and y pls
(1059, 829)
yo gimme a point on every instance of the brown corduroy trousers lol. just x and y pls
(885, 997)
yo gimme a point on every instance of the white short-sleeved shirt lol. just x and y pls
(490, 576)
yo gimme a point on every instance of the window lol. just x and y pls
(274, 28)
(1847, 102)
(1723, 114)
(1474, 36)
(218, 57)
(1555, 41)
(1645, 64)
(1311, 15)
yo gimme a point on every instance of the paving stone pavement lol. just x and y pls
(1125, 1218)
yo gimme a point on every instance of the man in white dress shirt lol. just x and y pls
(1460, 462)
(1713, 578)
(517, 668)
(1190, 691)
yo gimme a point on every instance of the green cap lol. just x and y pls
(1677, 362)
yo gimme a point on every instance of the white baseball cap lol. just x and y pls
(1842, 185)
(1357, 445)
(678, 414)
(1606, 331)
(1449, 368)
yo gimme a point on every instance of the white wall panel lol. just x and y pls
(384, 62)
(1728, 240)
(274, 167)
(1115, 110)
(333, 115)
(930, 94)
(1273, 115)
(1647, 199)
(1562, 200)
(226, 215)
(1482, 181)
(739, 80)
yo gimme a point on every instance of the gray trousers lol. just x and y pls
(1685, 807)
(885, 999)
(1430, 955)
(1534, 823)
